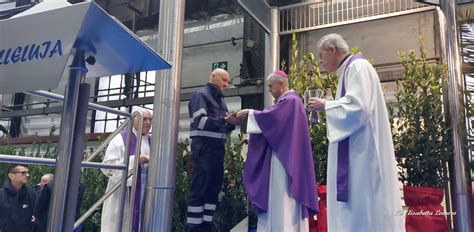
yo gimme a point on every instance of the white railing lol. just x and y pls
(327, 13)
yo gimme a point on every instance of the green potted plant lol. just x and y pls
(420, 138)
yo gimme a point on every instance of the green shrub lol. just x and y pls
(420, 135)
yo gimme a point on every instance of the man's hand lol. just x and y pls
(243, 115)
(231, 119)
(144, 159)
(316, 104)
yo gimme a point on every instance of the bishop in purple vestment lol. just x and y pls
(279, 170)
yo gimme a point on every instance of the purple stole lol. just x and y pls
(343, 148)
(136, 205)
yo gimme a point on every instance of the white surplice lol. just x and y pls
(114, 155)
(374, 195)
(284, 212)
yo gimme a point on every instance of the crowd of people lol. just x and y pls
(25, 209)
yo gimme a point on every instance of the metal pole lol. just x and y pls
(162, 169)
(94, 106)
(74, 169)
(99, 202)
(1, 105)
(443, 56)
(456, 109)
(77, 71)
(52, 162)
(136, 174)
(106, 142)
(272, 51)
(123, 187)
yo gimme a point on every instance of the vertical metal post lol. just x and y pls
(64, 161)
(440, 41)
(456, 109)
(162, 168)
(123, 186)
(136, 173)
(272, 51)
(1, 104)
(74, 170)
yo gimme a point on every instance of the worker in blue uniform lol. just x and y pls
(210, 124)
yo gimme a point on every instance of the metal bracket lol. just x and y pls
(436, 2)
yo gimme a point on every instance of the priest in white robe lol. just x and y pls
(279, 171)
(362, 186)
(115, 154)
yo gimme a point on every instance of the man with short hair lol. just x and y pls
(362, 186)
(16, 201)
(115, 154)
(43, 199)
(279, 171)
(210, 125)
(41, 208)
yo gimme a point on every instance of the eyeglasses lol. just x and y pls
(22, 172)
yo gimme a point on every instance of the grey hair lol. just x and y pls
(333, 41)
(142, 109)
(274, 76)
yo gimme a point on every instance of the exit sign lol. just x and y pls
(219, 64)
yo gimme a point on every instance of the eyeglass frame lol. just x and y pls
(24, 173)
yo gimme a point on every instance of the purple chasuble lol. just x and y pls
(136, 205)
(343, 148)
(285, 130)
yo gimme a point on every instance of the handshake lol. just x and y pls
(237, 118)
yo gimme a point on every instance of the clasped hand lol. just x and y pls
(144, 159)
(316, 104)
(237, 118)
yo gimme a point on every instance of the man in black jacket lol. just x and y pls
(43, 195)
(16, 201)
(41, 209)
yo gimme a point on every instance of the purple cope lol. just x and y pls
(285, 131)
